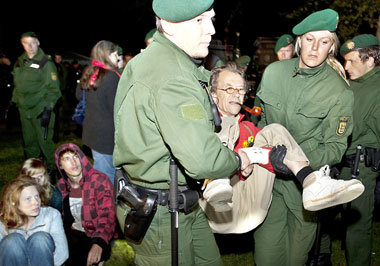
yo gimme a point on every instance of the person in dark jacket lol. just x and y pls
(100, 80)
(88, 208)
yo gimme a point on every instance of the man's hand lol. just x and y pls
(246, 168)
(94, 254)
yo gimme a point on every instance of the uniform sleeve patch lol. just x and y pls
(342, 125)
(53, 76)
(192, 112)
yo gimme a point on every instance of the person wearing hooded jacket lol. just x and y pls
(88, 209)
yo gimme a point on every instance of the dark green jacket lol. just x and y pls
(36, 84)
(315, 105)
(161, 109)
(366, 130)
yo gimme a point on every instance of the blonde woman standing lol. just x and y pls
(309, 96)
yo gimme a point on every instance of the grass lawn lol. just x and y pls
(237, 253)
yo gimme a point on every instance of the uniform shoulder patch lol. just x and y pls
(342, 125)
(53, 76)
(192, 111)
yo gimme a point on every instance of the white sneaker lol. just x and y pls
(320, 191)
(218, 194)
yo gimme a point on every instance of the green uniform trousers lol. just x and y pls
(34, 141)
(288, 232)
(357, 216)
(196, 242)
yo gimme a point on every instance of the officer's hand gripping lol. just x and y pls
(276, 158)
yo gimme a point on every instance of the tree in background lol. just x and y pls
(355, 16)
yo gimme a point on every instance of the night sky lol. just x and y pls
(77, 26)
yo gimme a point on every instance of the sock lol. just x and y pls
(303, 173)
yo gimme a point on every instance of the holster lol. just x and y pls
(143, 203)
(372, 158)
(142, 207)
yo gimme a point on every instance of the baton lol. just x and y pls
(46, 132)
(354, 175)
(355, 170)
(173, 209)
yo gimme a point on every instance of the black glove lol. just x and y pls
(276, 158)
(45, 117)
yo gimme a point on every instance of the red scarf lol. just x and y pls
(98, 64)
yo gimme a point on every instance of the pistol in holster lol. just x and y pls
(143, 203)
(142, 209)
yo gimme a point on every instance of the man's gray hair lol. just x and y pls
(229, 66)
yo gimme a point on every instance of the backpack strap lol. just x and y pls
(42, 62)
(247, 127)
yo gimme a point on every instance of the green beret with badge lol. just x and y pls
(283, 41)
(326, 19)
(180, 10)
(29, 34)
(358, 42)
(243, 60)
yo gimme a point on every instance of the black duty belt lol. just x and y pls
(162, 194)
(349, 160)
(369, 156)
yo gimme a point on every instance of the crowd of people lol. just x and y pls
(313, 152)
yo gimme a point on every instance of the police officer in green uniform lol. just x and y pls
(36, 91)
(284, 47)
(163, 111)
(308, 97)
(149, 36)
(362, 60)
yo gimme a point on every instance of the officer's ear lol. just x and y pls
(370, 62)
(168, 27)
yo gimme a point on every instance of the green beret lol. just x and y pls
(29, 34)
(360, 41)
(180, 10)
(243, 60)
(119, 50)
(326, 19)
(283, 41)
(219, 63)
(150, 34)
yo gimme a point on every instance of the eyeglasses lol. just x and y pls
(231, 90)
